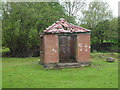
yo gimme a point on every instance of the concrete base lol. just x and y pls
(65, 65)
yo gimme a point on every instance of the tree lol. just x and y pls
(97, 12)
(99, 34)
(111, 34)
(73, 8)
(22, 23)
(106, 31)
(0, 32)
(96, 18)
(119, 32)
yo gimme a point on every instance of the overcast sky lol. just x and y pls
(113, 5)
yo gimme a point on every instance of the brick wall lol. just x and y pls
(51, 48)
(83, 47)
(51, 54)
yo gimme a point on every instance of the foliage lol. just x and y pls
(27, 73)
(100, 31)
(104, 29)
(112, 34)
(98, 18)
(97, 12)
(118, 34)
(73, 8)
(22, 23)
(106, 32)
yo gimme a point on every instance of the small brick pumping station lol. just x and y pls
(64, 45)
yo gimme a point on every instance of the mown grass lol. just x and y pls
(27, 73)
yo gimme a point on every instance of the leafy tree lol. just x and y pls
(106, 31)
(22, 23)
(0, 33)
(97, 12)
(119, 32)
(112, 32)
(73, 8)
(96, 18)
(99, 31)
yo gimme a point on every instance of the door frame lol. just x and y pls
(75, 46)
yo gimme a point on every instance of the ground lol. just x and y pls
(27, 73)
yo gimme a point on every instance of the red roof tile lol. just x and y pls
(63, 26)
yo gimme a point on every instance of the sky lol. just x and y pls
(113, 5)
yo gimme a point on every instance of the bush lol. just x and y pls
(22, 23)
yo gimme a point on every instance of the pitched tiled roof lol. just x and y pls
(62, 26)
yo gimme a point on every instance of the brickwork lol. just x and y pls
(83, 47)
(55, 51)
(51, 54)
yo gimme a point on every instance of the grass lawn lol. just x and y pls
(27, 73)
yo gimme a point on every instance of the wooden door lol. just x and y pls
(67, 48)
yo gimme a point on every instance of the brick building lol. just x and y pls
(64, 45)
